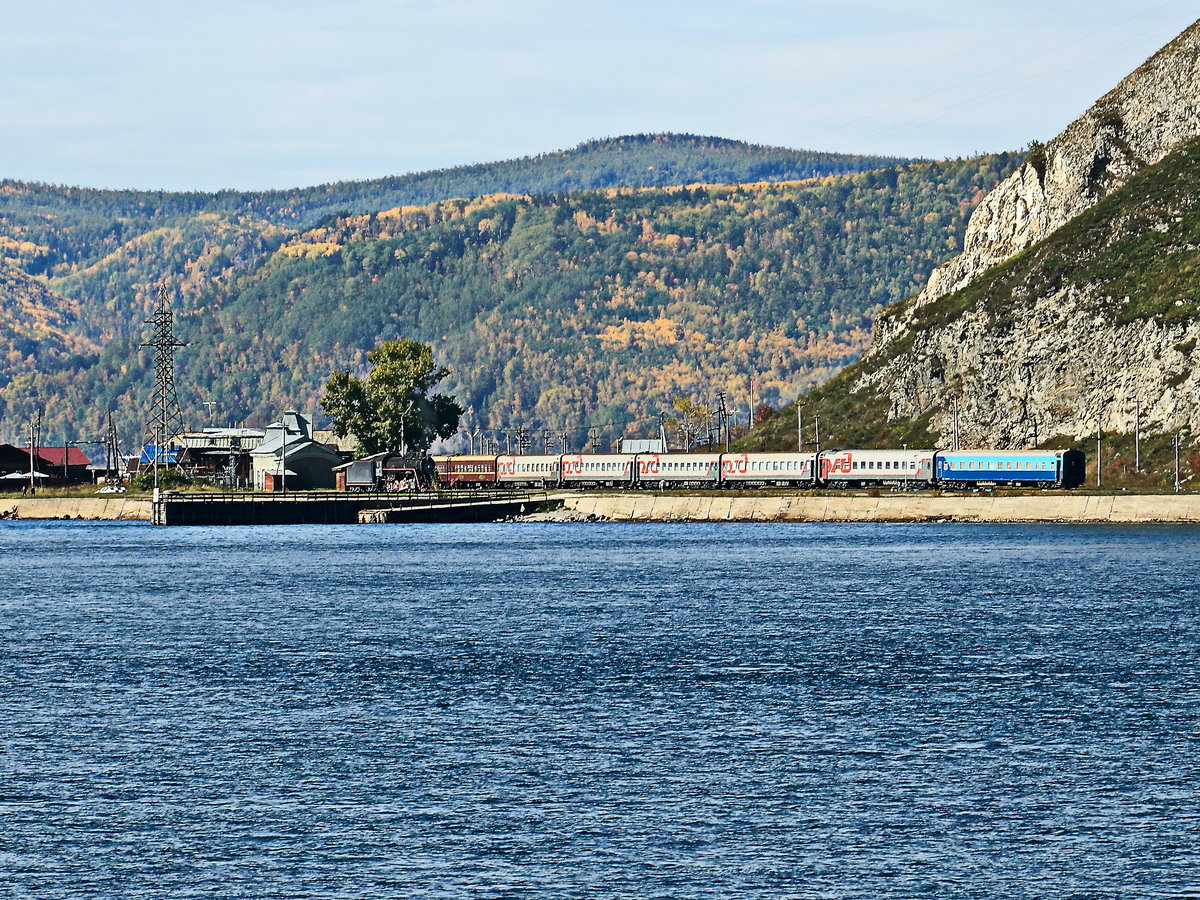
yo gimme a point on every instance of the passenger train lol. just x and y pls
(900, 469)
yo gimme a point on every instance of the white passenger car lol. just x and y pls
(527, 471)
(598, 469)
(678, 469)
(896, 468)
(756, 469)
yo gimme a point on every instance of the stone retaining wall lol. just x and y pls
(1056, 508)
(95, 508)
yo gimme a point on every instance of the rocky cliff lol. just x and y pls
(1074, 302)
(1150, 113)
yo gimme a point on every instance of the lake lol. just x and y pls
(604, 710)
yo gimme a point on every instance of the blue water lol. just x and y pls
(599, 711)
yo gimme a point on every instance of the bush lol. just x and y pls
(169, 479)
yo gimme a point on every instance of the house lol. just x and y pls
(66, 465)
(289, 458)
(15, 464)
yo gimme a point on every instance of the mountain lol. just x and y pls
(558, 310)
(64, 228)
(1074, 305)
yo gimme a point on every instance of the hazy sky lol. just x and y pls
(266, 93)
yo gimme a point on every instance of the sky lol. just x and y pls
(269, 94)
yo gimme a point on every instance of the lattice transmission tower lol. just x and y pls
(166, 419)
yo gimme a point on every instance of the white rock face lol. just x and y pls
(1066, 366)
(1147, 115)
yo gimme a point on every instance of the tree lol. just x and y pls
(392, 409)
(692, 420)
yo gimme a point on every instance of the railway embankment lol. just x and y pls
(647, 507)
(113, 508)
(1070, 508)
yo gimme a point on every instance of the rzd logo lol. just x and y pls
(648, 466)
(835, 465)
(572, 465)
(736, 465)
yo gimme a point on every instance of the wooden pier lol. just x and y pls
(327, 508)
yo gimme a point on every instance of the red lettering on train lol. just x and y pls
(735, 465)
(648, 465)
(836, 465)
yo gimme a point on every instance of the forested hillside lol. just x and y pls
(63, 228)
(557, 310)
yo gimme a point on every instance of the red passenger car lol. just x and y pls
(465, 471)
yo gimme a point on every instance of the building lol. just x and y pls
(15, 464)
(65, 465)
(221, 455)
(289, 458)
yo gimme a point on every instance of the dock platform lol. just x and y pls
(326, 508)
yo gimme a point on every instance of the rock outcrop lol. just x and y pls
(1041, 355)
(1150, 113)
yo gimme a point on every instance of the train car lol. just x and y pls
(1029, 468)
(598, 470)
(465, 471)
(660, 470)
(762, 469)
(861, 468)
(539, 471)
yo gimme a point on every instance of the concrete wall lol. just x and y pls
(99, 508)
(1053, 508)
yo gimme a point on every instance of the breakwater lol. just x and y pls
(1080, 508)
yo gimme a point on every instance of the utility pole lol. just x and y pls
(662, 431)
(1099, 442)
(817, 426)
(956, 447)
(1176, 443)
(1137, 434)
(283, 459)
(166, 420)
(799, 428)
(33, 455)
(722, 418)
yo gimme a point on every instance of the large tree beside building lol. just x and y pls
(393, 408)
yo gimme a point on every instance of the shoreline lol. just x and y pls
(646, 507)
(1125, 509)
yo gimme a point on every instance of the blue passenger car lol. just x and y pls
(1044, 468)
